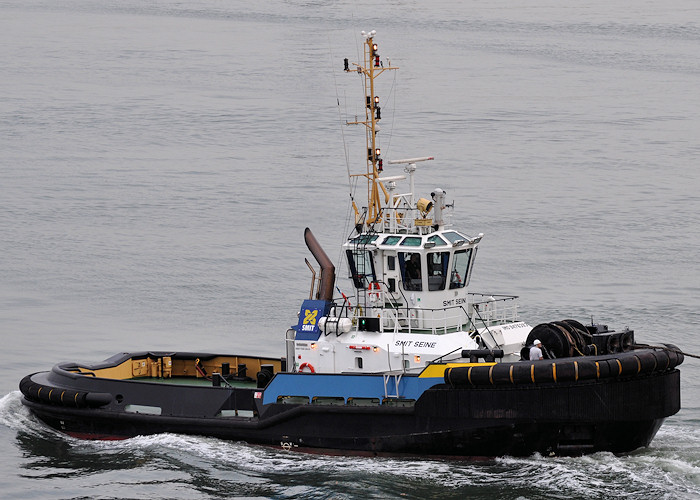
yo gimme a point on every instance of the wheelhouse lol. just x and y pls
(411, 263)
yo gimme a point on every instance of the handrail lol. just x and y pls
(496, 310)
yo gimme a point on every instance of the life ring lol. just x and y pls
(306, 365)
(374, 290)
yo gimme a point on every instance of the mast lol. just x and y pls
(373, 67)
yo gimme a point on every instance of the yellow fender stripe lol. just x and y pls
(532, 373)
(491, 374)
(511, 374)
(639, 364)
(576, 371)
(619, 367)
(554, 371)
(469, 375)
(597, 369)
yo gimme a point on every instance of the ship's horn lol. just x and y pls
(325, 291)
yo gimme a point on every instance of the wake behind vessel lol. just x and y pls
(411, 362)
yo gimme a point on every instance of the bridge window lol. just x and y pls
(361, 267)
(412, 241)
(437, 270)
(391, 240)
(437, 240)
(460, 268)
(365, 239)
(453, 236)
(411, 272)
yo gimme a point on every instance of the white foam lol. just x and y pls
(16, 416)
(670, 468)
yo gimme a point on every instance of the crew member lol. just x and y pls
(536, 351)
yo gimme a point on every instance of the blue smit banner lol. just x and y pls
(311, 312)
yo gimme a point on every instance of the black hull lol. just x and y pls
(484, 438)
(616, 415)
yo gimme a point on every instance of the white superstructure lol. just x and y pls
(410, 271)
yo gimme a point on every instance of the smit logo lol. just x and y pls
(310, 316)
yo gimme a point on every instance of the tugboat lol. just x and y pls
(410, 363)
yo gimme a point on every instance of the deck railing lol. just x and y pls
(481, 310)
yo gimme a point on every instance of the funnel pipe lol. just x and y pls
(325, 288)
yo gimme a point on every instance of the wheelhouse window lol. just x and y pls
(412, 241)
(437, 270)
(459, 276)
(411, 271)
(365, 239)
(454, 237)
(391, 240)
(361, 267)
(439, 242)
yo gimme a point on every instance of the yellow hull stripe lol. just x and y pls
(438, 370)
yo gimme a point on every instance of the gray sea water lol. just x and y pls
(160, 160)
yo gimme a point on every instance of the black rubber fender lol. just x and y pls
(544, 372)
(675, 355)
(647, 360)
(523, 373)
(578, 369)
(566, 371)
(630, 365)
(587, 369)
(59, 396)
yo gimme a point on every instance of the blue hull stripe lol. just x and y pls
(338, 385)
